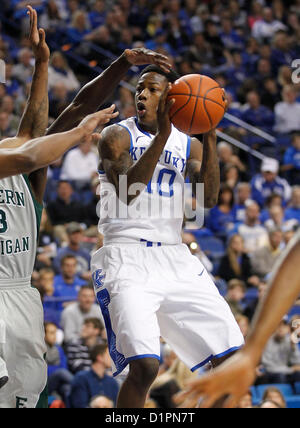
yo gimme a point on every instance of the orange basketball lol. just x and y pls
(199, 104)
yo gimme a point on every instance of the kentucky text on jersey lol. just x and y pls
(9, 197)
(9, 247)
(167, 158)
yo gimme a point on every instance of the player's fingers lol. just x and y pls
(208, 401)
(42, 35)
(109, 109)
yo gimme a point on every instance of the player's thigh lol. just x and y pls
(197, 322)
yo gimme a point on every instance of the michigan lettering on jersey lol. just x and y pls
(9, 247)
(10, 197)
(167, 158)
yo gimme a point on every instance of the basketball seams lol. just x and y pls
(184, 105)
(195, 106)
(200, 96)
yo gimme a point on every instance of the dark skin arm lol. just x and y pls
(93, 95)
(114, 151)
(203, 167)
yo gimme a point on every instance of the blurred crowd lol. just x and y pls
(249, 48)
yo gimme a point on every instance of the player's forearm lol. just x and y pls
(139, 173)
(45, 150)
(283, 292)
(35, 118)
(92, 96)
(210, 171)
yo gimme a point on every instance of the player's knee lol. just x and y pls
(143, 372)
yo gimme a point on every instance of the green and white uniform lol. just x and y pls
(22, 345)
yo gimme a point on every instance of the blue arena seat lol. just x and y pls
(285, 388)
(297, 388)
(212, 246)
(293, 402)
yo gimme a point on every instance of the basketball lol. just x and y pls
(199, 104)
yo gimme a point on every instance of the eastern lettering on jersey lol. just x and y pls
(11, 197)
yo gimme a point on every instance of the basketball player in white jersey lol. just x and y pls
(147, 282)
(21, 318)
(234, 378)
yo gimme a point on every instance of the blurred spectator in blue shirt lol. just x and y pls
(268, 182)
(291, 161)
(79, 28)
(74, 248)
(258, 115)
(98, 14)
(293, 210)
(67, 284)
(230, 38)
(222, 217)
(243, 195)
(96, 381)
(59, 377)
(282, 54)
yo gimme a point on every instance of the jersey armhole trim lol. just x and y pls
(37, 206)
(129, 132)
(188, 147)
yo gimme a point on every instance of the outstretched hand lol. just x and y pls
(142, 56)
(231, 380)
(37, 38)
(102, 117)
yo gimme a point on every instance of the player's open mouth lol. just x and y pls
(141, 109)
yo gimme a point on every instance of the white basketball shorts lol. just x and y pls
(22, 347)
(146, 292)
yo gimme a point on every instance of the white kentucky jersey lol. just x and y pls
(156, 214)
(20, 217)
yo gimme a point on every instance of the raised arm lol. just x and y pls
(114, 149)
(203, 167)
(35, 154)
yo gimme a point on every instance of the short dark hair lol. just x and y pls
(66, 257)
(97, 323)
(98, 350)
(171, 76)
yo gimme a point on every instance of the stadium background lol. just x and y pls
(249, 48)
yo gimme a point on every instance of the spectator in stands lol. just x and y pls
(270, 93)
(58, 99)
(281, 358)
(230, 37)
(258, 115)
(244, 324)
(287, 112)
(236, 263)
(231, 176)
(101, 402)
(11, 83)
(235, 295)
(256, 13)
(78, 350)
(222, 217)
(64, 210)
(95, 381)
(67, 284)
(293, 210)
(267, 27)
(268, 404)
(59, 377)
(227, 157)
(74, 315)
(246, 401)
(243, 196)
(98, 14)
(79, 27)
(268, 182)
(274, 395)
(6, 128)
(47, 247)
(91, 211)
(264, 259)
(60, 72)
(168, 357)
(250, 309)
(23, 70)
(282, 53)
(291, 160)
(254, 234)
(81, 165)
(74, 248)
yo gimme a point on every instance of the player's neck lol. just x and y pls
(150, 128)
